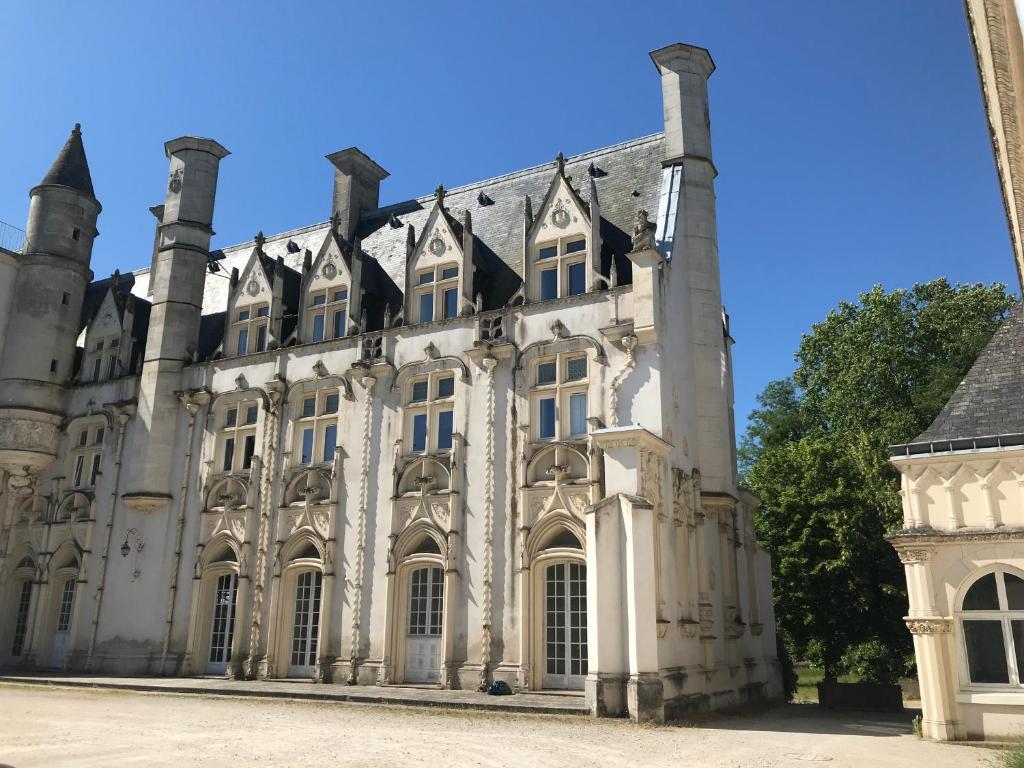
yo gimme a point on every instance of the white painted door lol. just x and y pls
(423, 641)
(565, 625)
(222, 628)
(305, 624)
(62, 634)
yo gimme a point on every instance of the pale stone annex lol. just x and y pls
(485, 434)
(962, 541)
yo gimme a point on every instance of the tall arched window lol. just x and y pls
(992, 627)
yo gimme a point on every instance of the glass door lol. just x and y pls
(565, 625)
(306, 624)
(62, 634)
(223, 625)
(423, 640)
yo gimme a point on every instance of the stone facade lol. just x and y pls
(481, 435)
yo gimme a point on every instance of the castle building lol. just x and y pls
(484, 434)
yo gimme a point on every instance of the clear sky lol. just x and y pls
(849, 137)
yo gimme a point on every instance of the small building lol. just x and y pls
(483, 434)
(962, 541)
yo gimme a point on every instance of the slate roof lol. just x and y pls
(627, 177)
(989, 402)
(71, 169)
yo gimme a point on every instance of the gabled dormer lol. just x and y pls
(260, 296)
(562, 241)
(439, 267)
(331, 291)
(114, 334)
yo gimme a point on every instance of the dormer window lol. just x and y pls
(103, 362)
(436, 293)
(327, 313)
(249, 329)
(560, 269)
(430, 413)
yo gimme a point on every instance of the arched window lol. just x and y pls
(992, 627)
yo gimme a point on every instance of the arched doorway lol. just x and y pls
(24, 574)
(222, 623)
(558, 582)
(423, 649)
(305, 623)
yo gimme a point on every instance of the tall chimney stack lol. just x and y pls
(357, 181)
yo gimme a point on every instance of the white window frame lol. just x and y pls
(561, 262)
(238, 432)
(318, 422)
(562, 390)
(1004, 615)
(251, 324)
(431, 407)
(436, 286)
(328, 309)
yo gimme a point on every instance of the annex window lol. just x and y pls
(86, 454)
(559, 397)
(991, 622)
(316, 427)
(560, 268)
(236, 438)
(436, 293)
(249, 329)
(327, 313)
(430, 413)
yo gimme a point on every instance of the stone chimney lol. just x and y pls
(685, 70)
(356, 188)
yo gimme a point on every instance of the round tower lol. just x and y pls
(38, 348)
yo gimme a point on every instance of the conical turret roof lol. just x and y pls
(71, 169)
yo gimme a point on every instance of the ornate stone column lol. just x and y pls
(368, 383)
(489, 363)
(256, 662)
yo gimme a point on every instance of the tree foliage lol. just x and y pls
(872, 374)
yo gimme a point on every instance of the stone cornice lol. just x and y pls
(908, 537)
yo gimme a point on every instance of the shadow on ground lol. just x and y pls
(808, 718)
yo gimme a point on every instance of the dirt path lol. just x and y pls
(79, 729)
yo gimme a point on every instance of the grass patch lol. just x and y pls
(807, 679)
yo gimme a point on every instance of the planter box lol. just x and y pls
(867, 696)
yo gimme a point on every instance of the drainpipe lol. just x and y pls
(123, 414)
(192, 406)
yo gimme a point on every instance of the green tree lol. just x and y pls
(872, 374)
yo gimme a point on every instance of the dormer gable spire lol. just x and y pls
(439, 194)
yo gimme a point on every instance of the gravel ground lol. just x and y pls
(75, 728)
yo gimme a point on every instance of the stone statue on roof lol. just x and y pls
(643, 232)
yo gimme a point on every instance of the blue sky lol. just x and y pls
(850, 138)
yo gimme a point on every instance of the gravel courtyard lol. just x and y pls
(75, 728)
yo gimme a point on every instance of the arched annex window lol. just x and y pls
(991, 619)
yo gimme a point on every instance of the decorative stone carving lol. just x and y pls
(911, 556)
(643, 232)
(930, 626)
(560, 215)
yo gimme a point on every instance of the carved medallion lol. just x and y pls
(330, 271)
(253, 287)
(560, 215)
(437, 245)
